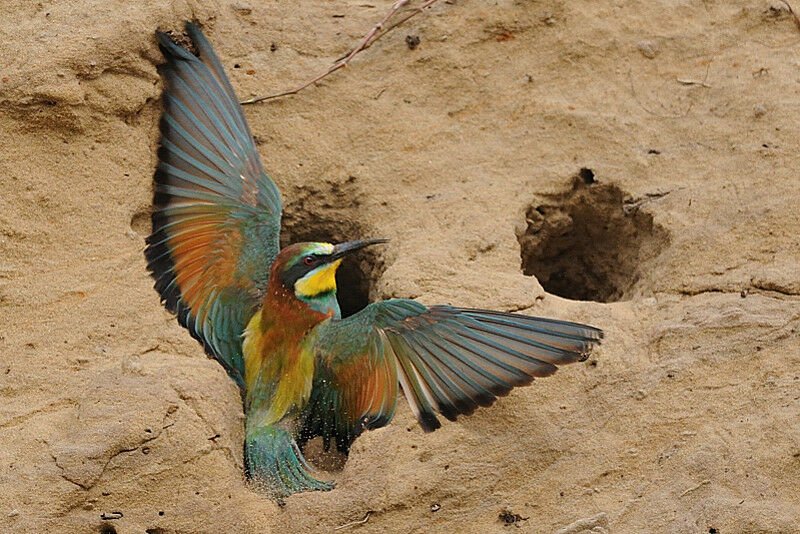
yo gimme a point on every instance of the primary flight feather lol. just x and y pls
(271, 317)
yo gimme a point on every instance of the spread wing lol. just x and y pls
(217, 215)
(447, 360)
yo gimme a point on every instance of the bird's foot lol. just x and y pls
(275, 464)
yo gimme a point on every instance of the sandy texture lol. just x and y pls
(467, 152)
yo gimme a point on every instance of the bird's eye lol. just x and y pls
(308, 260)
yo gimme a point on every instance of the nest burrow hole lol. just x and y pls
(332, 217)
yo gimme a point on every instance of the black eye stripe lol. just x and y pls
(300, 268)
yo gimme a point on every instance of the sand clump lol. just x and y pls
(686, 114)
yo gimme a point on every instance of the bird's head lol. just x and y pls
(308, 270)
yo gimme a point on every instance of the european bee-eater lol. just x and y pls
(271, 318)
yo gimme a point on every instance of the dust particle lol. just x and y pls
(510, 518)
(412, 41)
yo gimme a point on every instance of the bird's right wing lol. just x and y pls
(217, 215)
(446, 359)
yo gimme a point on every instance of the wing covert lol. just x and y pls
(446, 359)
(216, 220)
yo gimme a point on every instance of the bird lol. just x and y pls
(270, 316)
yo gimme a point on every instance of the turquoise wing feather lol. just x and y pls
(446, 359)
(217, 215)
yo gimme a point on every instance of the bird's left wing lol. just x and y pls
(217, 214)
(446, 359)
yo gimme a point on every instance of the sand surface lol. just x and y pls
(470, 152)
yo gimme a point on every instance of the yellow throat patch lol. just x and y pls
(320, 280)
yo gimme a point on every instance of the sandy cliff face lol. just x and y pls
(639, 157)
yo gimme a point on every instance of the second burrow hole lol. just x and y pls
(590, 242)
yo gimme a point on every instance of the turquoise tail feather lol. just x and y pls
(274, 461)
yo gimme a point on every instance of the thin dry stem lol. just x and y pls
(410, 12)
(794, 15)
(695, 487)
(377, 31)
(353, 523)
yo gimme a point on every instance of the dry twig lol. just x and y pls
(682, 81)
(701, 83)
(411, 12)
(377, 31)
(686, 81)
(354, 523)
(648, 110)
(697, 486)
(794, 15)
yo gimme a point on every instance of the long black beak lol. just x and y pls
(343, 249)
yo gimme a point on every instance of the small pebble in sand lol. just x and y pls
(243, 8)
(649, 49)
(759, 111)
(132, 364)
